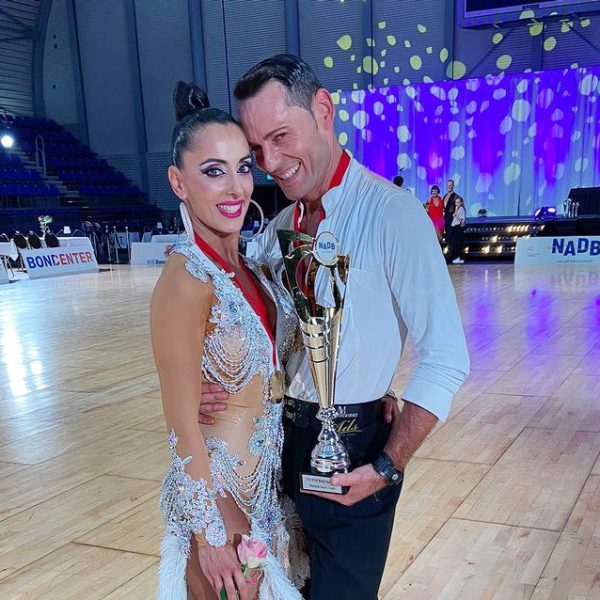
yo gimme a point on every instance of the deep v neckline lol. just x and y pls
(256, 303)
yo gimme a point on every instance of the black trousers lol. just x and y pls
(348, 545)
(455, 242)
(448, 225)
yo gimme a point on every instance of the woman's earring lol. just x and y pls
(185, 218)
(262, 222)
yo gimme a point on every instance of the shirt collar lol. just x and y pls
(340, 170)
(336, 180)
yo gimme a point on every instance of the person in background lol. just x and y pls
(449, 205)
(457, 230)
(435, 209)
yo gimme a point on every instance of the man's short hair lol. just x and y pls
(451, 180)
(289, 70)
(399, 180)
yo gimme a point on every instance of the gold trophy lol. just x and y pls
(303, 258)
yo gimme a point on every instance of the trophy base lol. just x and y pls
(316, 482)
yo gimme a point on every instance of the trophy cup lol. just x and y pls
(303, 257)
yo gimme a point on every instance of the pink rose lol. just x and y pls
(252, 553)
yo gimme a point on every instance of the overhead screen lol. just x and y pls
(478, 13)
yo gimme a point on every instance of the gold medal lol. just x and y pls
(276, 386)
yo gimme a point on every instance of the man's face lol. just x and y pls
(290, 143)
(450, 185)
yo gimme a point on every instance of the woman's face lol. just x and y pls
(215, 180)
(435, 192)
(458, 202)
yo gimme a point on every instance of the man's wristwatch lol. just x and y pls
(384, 465)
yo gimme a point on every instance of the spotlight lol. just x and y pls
(7, 140)
(545, 213)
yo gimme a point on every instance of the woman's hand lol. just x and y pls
(221, 567)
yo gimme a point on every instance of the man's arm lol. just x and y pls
(420, 283)
(419, 280)
(410, 427)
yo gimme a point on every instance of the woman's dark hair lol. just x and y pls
(192, 112)
(296, 75)
(435, 187)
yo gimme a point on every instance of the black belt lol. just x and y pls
(351, 417)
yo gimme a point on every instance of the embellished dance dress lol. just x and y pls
(244, 445)
(436, 214)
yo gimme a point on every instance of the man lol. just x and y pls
(449, 207)
(398, 284)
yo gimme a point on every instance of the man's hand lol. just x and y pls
(362, 481)
(391, 410)
(214, 399)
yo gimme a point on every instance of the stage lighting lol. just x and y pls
(545, 213)
(7, 140)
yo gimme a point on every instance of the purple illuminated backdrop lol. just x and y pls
(511, 142)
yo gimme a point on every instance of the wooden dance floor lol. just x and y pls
(501, 502)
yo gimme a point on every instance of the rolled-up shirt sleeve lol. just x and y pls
(426, 304)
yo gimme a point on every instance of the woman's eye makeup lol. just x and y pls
(212, 171)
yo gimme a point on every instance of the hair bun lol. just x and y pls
(188, 98)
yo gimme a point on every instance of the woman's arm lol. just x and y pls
(180, 308)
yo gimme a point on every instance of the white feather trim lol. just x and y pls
(171, 570)
(274, 584)
(299, 563)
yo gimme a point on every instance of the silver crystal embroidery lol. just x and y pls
(189, 505)
(238, 348)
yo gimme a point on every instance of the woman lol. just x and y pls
(215, 316)
(457, 229)
(435, 209)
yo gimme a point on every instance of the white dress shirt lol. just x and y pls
(398, 283)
